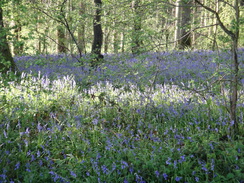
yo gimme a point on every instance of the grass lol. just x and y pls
(131, 120)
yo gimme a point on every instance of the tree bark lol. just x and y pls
(98, 34)
(136, 33)
(177, 23)
(6, 60)
(61, 39)
(183, 19)
(185, 24)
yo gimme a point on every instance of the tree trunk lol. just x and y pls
(234, 94)
(177, 23)
(215, 28)
(98, 34)
(18, 44)
(115, 35)
(122, 41)
(61, 39)
(185, 24)
(6, 60)
(81, 29)
(136, 33)
(183, 19)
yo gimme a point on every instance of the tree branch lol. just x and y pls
(227, 31)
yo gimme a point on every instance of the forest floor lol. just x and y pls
(156, 117)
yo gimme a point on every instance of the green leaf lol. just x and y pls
(230, 175)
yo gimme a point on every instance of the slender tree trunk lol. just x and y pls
(107, 32)
(38, 41)
(215, 28)
(122, 41)
(116, 40)
(18, 45)
(177, 23)
(234, 95)
(106, 39)
(81, 30)
(98, 34)
(61, 39)
(136, 33)
(6, 60)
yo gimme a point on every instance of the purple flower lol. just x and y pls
(17, 165)
(165, 176)
(177, 179)
(168, 161)
(40, 162)
(124, 165)
(211, 145)
(38, 153)
(39, 127)
(204, 168)
(197, 179)
(73, 174)
(95, 121)
(157, 173)
(33, 157)
(175, 164)
(104, 169)
(126, 181)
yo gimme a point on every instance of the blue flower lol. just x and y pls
(165, 176)
(17, 166)
(126, 181)
(105, 169)
(157, 173)
(124, 165)
(168, 161)
(177, 179)
(73, 174)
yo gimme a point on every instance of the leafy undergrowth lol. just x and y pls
(132, 129)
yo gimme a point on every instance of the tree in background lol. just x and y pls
(183, 22)
(6, 60)
(137, 26)
(97, 34)
(82, 28)
(18, 44)
(61, 39)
